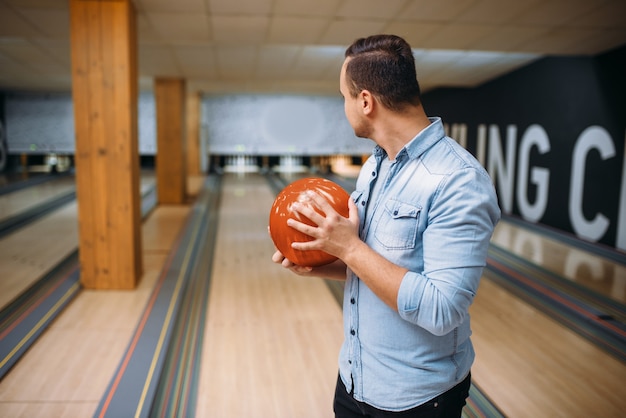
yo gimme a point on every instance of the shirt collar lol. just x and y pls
(425, 139)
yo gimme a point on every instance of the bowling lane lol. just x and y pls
(13, 203)
(27, 254)
(531, 366)
(271, 339)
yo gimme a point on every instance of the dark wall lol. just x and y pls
(1, 107)
(4, 153)
(576, 107)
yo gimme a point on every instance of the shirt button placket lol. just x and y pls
(354, 341)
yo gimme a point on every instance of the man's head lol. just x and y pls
(384, 65)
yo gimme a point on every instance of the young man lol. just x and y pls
(411, 251)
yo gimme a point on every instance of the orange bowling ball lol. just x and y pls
(283, 235)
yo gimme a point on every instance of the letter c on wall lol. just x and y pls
(594, 137)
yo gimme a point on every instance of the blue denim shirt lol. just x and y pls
(433, 215)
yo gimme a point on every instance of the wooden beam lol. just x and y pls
(104, 92)
(170, 160)
(193, 134)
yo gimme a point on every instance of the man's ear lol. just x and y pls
(367, 102)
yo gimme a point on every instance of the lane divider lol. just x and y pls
(133, 388)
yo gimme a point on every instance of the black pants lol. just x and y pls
(447, 405)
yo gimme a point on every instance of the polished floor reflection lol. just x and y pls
(597, 273)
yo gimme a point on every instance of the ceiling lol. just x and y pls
(297, 46)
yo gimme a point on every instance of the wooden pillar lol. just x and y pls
(170, 161)
(104, 92)
(24, 162)
(193, 134)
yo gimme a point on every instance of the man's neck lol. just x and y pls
(395, 130)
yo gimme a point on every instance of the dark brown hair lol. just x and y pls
(384, 65)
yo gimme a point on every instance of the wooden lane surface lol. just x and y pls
(67, 370)
(29, 253)
(271, 339)
(532, 366)
(18, 201)
(591, 271)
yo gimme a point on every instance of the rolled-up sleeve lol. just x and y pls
(455, 243)
(438, 303)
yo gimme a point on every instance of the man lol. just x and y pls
(411, 251)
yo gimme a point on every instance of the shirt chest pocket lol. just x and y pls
(398, 225)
